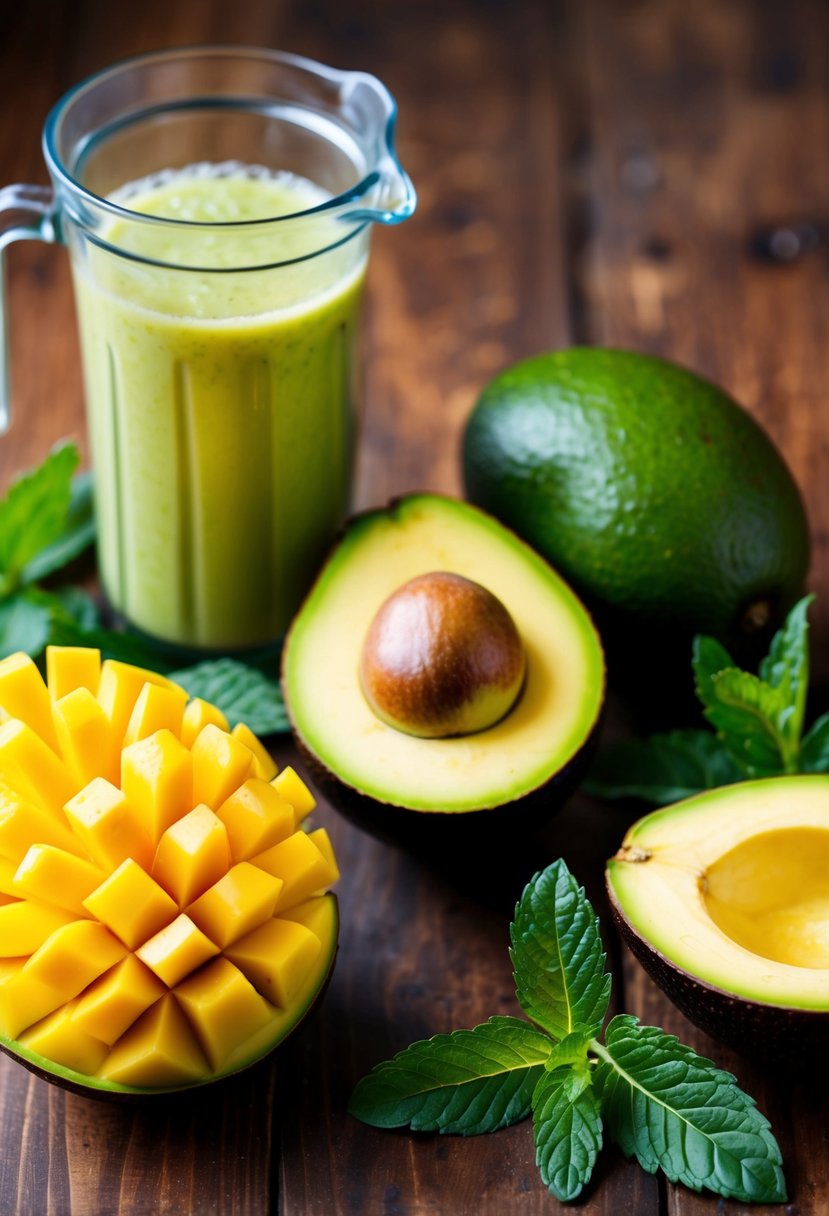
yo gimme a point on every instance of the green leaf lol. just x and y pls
(662, 769)
(242, 693)
(814, 749)
(33, 513)
(708, 659)
(678, 1112)
(567, 1129)
(470, 1081)
(25, 624)
(571, 1050)
(557, 956)
(750, 719)
(77, 534)
(786, 667)
(74, 604)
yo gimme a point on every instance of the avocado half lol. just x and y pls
(272, 1036)
(724, 899)
(424, 791)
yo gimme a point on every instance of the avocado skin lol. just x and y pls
(776, 1037)
(655, 495)
(438, 835)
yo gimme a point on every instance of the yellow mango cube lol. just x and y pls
(159, 1049)
(178, 949)
(26, 924)
(7, 887)
(24, 999)
(304, 867)
(197, 715)
(60, 1039)
(220, 765)
(112, 1003)
(73, 956)
(157, 708)
(192, 854)
(86, 740)
(131, 904)
(71, 667)
(21, 823)
(294, 790)
(118, 690)
(223, 1008)
(256, 817)
(276, 958)
(23, 695)
(240, 900)
(32, 769)
(157, 778)
(57, 877)
(314, 913)
(108, 825)
(264, 765)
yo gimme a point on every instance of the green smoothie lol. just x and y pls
(219, 399)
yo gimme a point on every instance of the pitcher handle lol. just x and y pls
(26, 212)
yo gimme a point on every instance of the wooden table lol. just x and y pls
(650, 174)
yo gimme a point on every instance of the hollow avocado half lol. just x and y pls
(724, 899)
(418, 790)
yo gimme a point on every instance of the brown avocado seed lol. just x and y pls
(442, 657)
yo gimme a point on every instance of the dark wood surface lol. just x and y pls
(650, 173)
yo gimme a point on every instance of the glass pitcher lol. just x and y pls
(217, 205)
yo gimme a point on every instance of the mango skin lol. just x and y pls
(650, 489)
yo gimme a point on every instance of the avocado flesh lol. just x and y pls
(553, 718)
(245, 1056)
(731, 888)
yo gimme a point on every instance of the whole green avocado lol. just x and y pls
(646, 486)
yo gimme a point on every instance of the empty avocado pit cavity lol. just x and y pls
(442, 657)
(724, 899)
(770, 894)
(164, 915)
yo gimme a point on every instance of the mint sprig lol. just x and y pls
(655, 1097)
(757, 725)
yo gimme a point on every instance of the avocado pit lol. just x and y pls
(442, 656)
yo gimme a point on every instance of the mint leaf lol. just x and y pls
(567, 1129)
(750, 718)
(33, 512)
(470, 1081)
(708, 659)
(25, 624)
(786, 666)
(678, 1112)
(73, 604)
(557, 956)
(241, 692)
(814, 749)
(662, 769)
(77, 533)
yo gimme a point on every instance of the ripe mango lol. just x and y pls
(165, 915)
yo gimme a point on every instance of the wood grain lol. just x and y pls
(587, 169)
